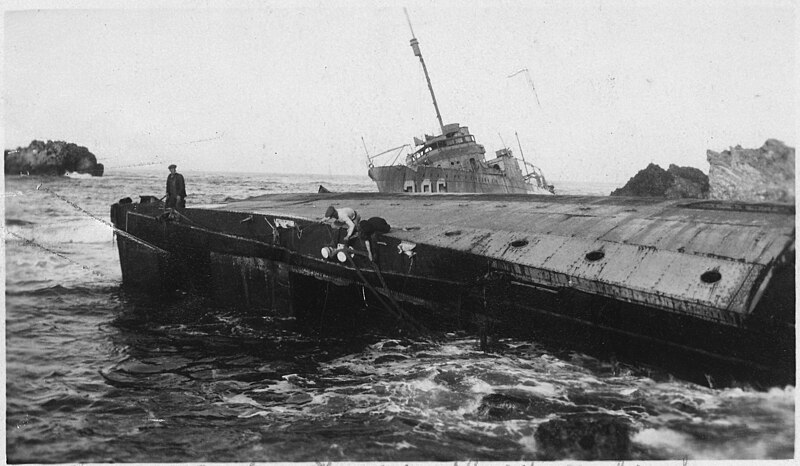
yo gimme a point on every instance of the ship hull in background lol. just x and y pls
(400, 179)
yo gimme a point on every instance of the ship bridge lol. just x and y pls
(454, 147)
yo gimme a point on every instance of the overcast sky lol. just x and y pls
(292, 87)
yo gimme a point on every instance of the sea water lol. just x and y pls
(94, 374)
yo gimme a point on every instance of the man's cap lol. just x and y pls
(173, 166)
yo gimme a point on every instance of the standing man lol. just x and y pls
(176, 189)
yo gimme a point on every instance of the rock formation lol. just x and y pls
(753, 175)
(585, 437)
(51, 158)
(673, 183)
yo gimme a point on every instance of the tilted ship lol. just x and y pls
(453, 162)
(698, 286)
(704, 288)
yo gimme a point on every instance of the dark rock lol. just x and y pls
(674, 183)
(753, 175)
(653, 181)
(612, 401)
(765, 174)
(687, 182)
(390, 358)
(504, 406)
(299, 398)
(452, 379)
(51, 158)
(585, 437)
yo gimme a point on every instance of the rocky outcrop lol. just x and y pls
(585, 437)
(753, 175)
(673, 183)
(51, 158)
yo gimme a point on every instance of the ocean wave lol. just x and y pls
(60, 290)
(65, 231)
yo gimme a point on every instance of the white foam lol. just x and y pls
(242, 399)
(661, 438)
(84, 176)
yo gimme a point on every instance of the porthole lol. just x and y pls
(519, 243)
(595, 256)
(712, 276)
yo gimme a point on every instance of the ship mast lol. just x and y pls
(524, 163)
(530, 82)
(369, 160)
(415, 47)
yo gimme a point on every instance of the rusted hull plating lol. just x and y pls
(695, 277)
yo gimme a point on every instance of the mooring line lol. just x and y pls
(190, 220)
(275, 235)
(30, 242)
(144, 164)
(395, 303)
(124, 233)
(395, 308)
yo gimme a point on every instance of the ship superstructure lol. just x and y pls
(454, 162)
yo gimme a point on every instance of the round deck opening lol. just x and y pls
(519, 243)
(595, 256)
(712, 276)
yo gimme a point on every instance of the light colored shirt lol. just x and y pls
(349, 217)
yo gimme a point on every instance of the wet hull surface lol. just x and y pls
(699, 284)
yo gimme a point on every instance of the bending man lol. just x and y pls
(344, 214)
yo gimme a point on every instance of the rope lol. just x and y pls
(300, 230)
(275, 235)
(408, 273)
(108, 224)
(187, 218)
(30, 242)
(324, 306)
(398, 311)
(385, 286)
(395, 308)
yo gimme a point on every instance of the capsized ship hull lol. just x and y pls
(708, 283)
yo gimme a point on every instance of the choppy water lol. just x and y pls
(95, 375)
